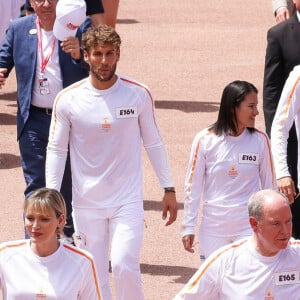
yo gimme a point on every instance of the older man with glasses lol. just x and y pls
(43, 66)
(94, 9)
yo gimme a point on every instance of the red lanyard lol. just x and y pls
(44, 61)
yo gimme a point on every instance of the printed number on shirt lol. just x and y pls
(249, 158)
(284, 278)
(126, 112)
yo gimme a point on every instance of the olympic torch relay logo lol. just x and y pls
(105, 124)
(233, 172)
(40, 295)
(269, 295)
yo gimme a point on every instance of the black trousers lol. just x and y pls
(292, 159)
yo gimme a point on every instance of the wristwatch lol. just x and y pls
(169, 189)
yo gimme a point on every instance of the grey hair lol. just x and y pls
(257, 201)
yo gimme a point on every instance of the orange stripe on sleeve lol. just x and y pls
(288, 104)
(192, 172)
(270, 154)
(232, 246)
(92, 263)
(22, 243)
(148, 92)
(295, 242)
(63, 92)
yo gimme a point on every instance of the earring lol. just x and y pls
(57, 231)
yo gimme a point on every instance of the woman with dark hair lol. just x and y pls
(229, 161)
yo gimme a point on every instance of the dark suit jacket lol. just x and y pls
(282, 54)
(20, 51)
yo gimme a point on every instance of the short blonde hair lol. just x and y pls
(44, 200)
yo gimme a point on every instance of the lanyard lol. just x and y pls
(44, 61)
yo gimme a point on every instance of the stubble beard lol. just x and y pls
(99, 77)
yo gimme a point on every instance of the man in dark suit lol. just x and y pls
(43, 67)
(282, 55)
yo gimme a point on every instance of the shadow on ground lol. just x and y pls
(188, 106)
(9, 96)
(7, 119)
(156, 205)
(127, 21)
(9, 161)
(183, 273)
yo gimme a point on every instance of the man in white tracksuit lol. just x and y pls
(287, 112)
(105, 118)
(264, 266)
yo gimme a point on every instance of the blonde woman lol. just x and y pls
(42, 267)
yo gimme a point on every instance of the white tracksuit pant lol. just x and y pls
(122, 226)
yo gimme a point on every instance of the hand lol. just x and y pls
(169, 204)
(282, 14)
(286, 186)
(71, 45)
(188, 242)
(2, 77)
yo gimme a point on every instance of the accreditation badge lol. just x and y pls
(44, 86)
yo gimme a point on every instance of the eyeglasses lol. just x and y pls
(42, 2)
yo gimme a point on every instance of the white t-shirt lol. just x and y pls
(69, 273)
(52, 72)
(238, 271)
(105, 129)
(288, 111)
(223, 172)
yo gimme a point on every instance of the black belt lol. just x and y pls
(47, 111)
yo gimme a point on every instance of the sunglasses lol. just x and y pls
(42, 2)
